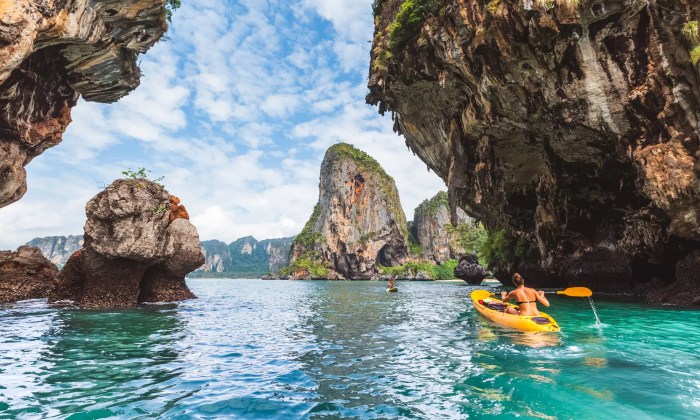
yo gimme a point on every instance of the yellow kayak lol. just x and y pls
(490, 307)
(393, 289)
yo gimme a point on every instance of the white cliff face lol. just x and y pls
(247, 249)
(58, 249)
(358, 223)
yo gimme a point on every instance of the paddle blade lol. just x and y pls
(576, 292)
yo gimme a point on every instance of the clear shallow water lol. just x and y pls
(253, 349)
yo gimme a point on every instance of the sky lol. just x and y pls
(235, 110)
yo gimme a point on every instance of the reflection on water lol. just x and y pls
(253, 349)
(82, 361)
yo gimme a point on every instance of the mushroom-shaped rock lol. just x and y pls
(133, 253)
(469, 270)
(25, 274)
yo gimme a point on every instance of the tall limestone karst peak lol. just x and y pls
(52, 52)
(357, 224)
(139, 245)
(572, 125)
(438, 238)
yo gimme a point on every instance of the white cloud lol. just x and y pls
(236, 111)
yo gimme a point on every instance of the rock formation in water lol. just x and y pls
(51, 52)
(438, 238)
(575, 128)
(137, 249)
(25, 274)
(357, 224)
(58, 248)
(245, 257)
(469, 270)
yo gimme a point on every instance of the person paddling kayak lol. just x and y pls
(525, 297)
(391, 282)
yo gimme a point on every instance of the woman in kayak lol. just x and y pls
(525, 297)
(391, 282)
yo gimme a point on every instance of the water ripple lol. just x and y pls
(253, 349)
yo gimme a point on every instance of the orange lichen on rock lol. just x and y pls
(177, 210)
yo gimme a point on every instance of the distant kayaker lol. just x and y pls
(391, 282)
(525, 297)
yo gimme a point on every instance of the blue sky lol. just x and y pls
(236, 111)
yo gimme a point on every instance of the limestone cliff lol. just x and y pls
(438, 239)
(357, 224)
(51, 52)
(58, 248)
(573, 125)
(245, 257)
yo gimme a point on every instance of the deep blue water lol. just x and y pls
(274, 349)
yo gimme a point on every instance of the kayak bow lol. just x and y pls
(492, 308)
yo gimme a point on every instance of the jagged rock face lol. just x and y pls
(58, 248)
(434, 231)
(469, 270)
(574, 128)
(132, 252)
(53, 51)
(217, 257)
(25, 274)
(358, 222)
(246, 256)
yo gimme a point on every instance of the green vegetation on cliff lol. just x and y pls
(170, 6)
(308, 238)
(469, 237)
(433, 205)
(695, 55)
(411, 269)
(408, 20)
(691, 32)
(501, 247)
(414, 247)
(309, 261)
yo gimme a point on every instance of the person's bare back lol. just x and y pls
(525, 297)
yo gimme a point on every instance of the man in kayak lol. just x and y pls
(525, 297)
(391, 282)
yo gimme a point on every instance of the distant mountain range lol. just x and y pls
(243, 258)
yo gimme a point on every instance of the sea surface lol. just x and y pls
(254, 349)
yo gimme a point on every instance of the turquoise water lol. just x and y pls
(255, 349)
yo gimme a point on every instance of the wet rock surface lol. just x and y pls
(470, 271)
(52, 52)
(133, 252)
(25, 274)
(575, 129)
